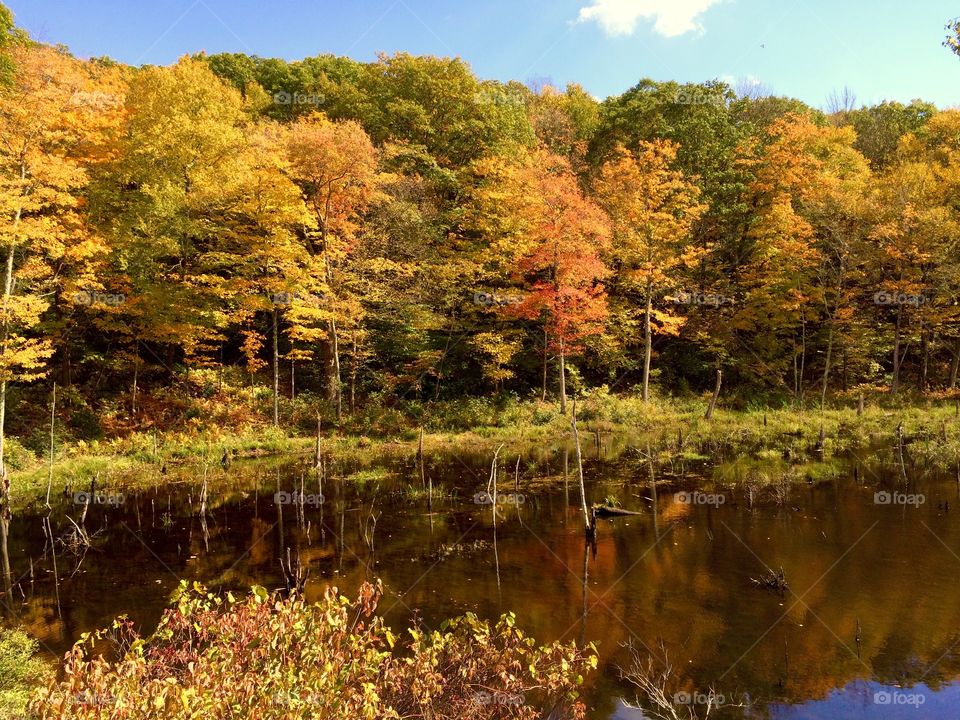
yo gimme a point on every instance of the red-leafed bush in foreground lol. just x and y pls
(269, 658)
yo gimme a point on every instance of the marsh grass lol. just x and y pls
(780, 436)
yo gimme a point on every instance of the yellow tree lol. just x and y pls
(810, 219)
(263, 243)
(10, 36)
(652, 208)
(914, 235)
(44, 240)
(177, 201)
(838, 210)
(335, 165)
(938, 147)
(780, 256)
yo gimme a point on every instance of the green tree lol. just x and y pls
(10, 36)
(880, 127)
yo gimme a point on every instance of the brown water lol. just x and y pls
(675, 580)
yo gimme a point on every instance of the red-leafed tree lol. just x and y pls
(557, 239)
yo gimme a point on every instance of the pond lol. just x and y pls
(865, 627)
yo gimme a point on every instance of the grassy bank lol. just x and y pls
(675, 428)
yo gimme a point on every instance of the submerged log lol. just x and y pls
(610, 511)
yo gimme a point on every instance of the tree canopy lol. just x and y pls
(401, 229)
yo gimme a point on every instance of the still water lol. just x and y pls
(867, 626)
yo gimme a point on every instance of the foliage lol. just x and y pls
(952, 41)
(289, 659)
(21, 671)
(352, 237)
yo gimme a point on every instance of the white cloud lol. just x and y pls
(669, 17)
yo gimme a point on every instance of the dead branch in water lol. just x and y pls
(588, 522)
(665, 700)
(294, 574)
(776, 581)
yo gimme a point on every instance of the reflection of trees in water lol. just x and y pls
(681, 575)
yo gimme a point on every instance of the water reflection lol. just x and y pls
(871, 603)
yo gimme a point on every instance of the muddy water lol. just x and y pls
(867, 627)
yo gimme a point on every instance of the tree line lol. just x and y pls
(401, 228)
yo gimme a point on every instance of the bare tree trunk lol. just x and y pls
(895, 385)
(543, 396)
(338, 387)
(53, 418)
(133, 397)
(563, 379)
(647, 346)
(334, 388)
(7, 292)
(826, 368)
(423, 470)
(716, 395)
(353, 390)
(5, 556)
(276, 374)
(803, 354)
(796, 374)
(5, 514)
(925, 341)
(587, 523)
(955, 367)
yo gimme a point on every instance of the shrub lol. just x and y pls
(271, 658)
(18, 456)
(20, 672)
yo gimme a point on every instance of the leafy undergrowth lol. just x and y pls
(20, 671)
(269, 658)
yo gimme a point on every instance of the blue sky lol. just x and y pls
(882, 49)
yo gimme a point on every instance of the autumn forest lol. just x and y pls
(321, 378)
(402, 229)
